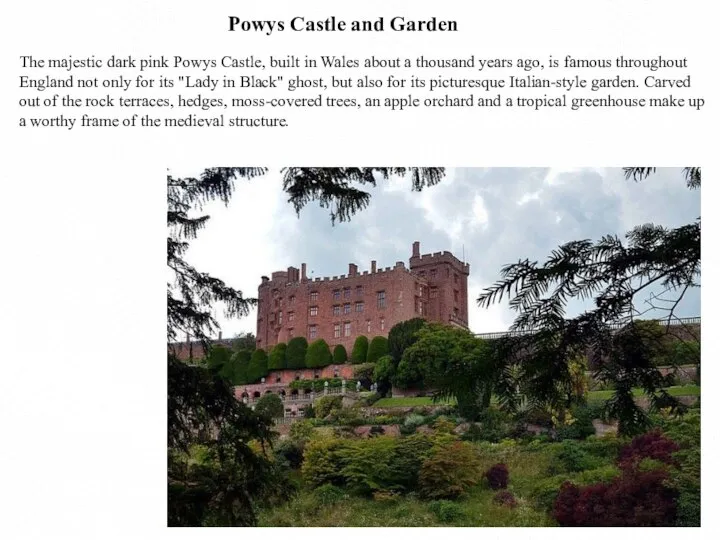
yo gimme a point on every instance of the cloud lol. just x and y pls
(496, 216)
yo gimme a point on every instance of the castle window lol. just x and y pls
(291, 333)
(291, 316)
(336, 310)
(359, 290)
(346, 292)
(381, 299)
(347, 329)
(292, 299)
(336, 294)
(457, 296)
(433, 274)
(312, 331)
(313, 296)
(433, 292)
(382, 324)
(280, 318)
(359, 307)
(346, 308)
(456, 312)
(313, 311)
(336, 330)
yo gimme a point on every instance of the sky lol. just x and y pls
(489, 217)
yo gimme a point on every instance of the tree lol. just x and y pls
(318, 354)
(383, 374)
(258, 367)
(612, 273)
(217, 357)
(296, 352)
(402, 335)
(359, 351)
(225, 490)
(340, 355)
(277, 359)
(244, 341)
(378, 347)
(270, 406)
(237, 373)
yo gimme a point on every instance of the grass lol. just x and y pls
(593, 397)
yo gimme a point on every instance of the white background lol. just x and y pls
(82, 226)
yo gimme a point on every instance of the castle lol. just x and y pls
(367, 303)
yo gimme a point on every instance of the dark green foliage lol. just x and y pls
(318, 354)
(270, 406)
(239, 364)
(571, 457)
(277, 359)
(378, 348)
(402, 335)
(494, 425)
(383, 373)
(360, 350)
(609, 272)
(684, 353)
(291, 451)
(217, 357)
(328, 494)
(339, 355)
(364, 374)
(446, 511)
(295, 353)
(245, 342)
(582, 426)
(258, 367)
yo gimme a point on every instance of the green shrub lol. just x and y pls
(581, 426)
(340, 355)
(277, 359)
(495, 425)
(328, 494)
(290, 451)
(367, 465)
(414, 420)
(684, 353)
(238, 367)
(318, 354)
(301, 432)
(449, 471)
(327, 405)
(377, 349)
(402, 336)
(383, 373)
(217, 357)
(321, 462)
(295, 352)
(570, 457)
(258, 368)
(446, 511)
(360, 350)
(270, 406)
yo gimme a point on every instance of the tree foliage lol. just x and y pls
(270, 406)
(240, 362)
(378, 347)
(340, 355)
(318, 354)
(258, 367)
(359, 350)
(277, 359)
(610, 272)
(296, 352)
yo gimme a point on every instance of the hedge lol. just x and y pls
(377, 349)
(340, 355)
(296, 351)
(277, 359)
(318, 354)
(360, 350)
(258, 367)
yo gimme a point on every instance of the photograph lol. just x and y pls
(433, 347)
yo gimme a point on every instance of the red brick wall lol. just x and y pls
(291, 295)
(286, 376)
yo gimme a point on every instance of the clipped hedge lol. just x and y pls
(377, 349)
(277, 359)
(340, 355)
(318, 354)
(296, 352)
(258, 367)
(360, 350)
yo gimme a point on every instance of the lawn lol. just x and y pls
(596, 396)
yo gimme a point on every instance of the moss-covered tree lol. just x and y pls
(340, 355)
(318, 354)
(296, 352)
(360, 350)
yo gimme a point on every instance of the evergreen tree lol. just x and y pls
(258, 367)
(359, 351)
(340, 355)
(296, 352)
(402, 335)
(378, 348)
(318, 354)
(240, 363)
(612, 273)
(277, 358)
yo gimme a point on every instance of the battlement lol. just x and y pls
(439, 257)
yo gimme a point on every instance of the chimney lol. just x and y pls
(373, 266)
(352, 270)
(416, 249)
(303, 271)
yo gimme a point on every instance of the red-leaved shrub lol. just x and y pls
(505, 498)
(498, 476)
(653, 444)
(636, 499)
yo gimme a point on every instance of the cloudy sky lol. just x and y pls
(494, 216)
